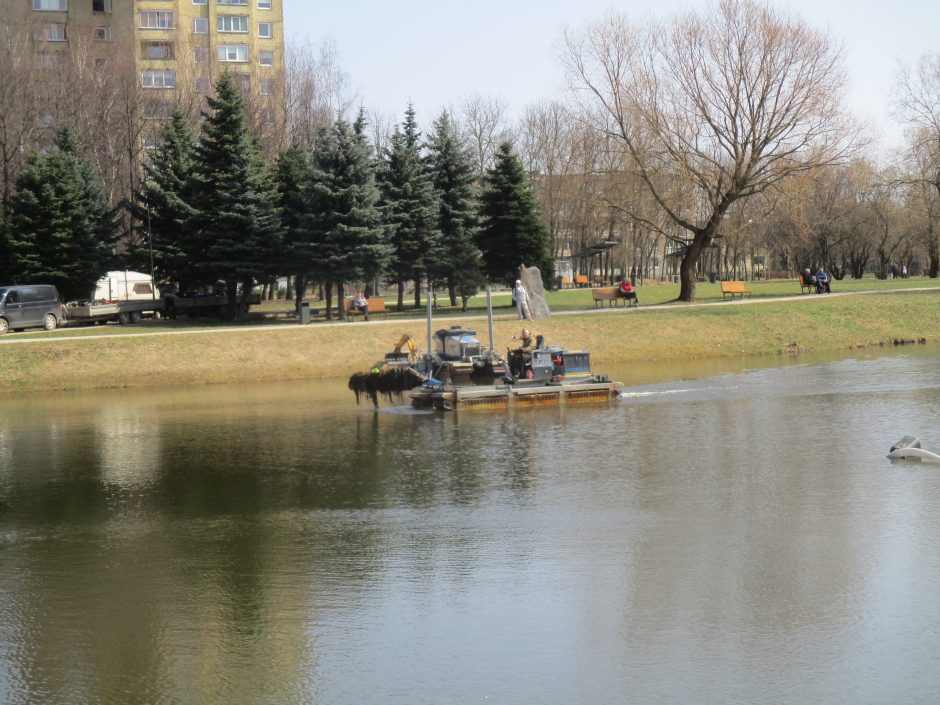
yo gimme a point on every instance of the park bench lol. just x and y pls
(806, 287)
(734, 288)
(375, 305)
(608, 294)
(565, 282)
(581, 280)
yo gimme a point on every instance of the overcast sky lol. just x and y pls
(438, 52)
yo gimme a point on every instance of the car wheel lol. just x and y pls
(124, 318)
(4, 326)
(135, 316)
(50, 322)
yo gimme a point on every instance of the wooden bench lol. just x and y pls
(806, 287)
(733, 288)
(375, 305)
(565, 282)
(581, 280)
(608, 294)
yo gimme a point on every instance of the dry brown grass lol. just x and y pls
(286, 353)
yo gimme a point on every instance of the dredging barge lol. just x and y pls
(458, 374)
(542, 376)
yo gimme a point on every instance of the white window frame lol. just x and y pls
(52, 32)
(158, 78)
(201, 55)
(233, 2)
(102, 34)
(270, 26)
(201, 25)
(156, 19)
(106, 4)
(267, 86)
(51, 5)
(233, 53)
(266, 53)
(236, 24)
(264, 4)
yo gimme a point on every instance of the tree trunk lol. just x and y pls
(289, 294)
(341, 301)
(328, 299)
(401, 293)
(418, 294)
(301, 286)
(231, 295)
(452, 292)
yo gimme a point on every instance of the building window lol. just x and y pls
(266, 58)
(51, 5)
(243, 81)
(232, 23)
(46, 60)
(233, 52)
(265, 29)
(266, 86)
(200, 55)
(264, 4)
(267, 116)
(51, 32)
(158, 50)
(101, 6)
(201, 25)
(233, 2)
(102, 34)
(158, 79)
(156, 20)
(199, 2)
(202, 85)
(156, 110)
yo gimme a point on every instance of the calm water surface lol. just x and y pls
(734, 537)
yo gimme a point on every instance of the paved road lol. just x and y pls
(63, 333)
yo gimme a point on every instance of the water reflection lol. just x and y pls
(736, 535)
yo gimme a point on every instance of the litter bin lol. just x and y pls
(304, 313)
(712, 277)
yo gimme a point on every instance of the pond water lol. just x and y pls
(733, 535)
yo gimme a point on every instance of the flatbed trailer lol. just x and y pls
(210, 305)
(123, 312)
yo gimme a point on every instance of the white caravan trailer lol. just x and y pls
(124, 286)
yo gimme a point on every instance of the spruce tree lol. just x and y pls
(163, 207)
(61, 229)
(512, 231)
(239, 220)
(411, 210)
(343, 217)
(452, 169)
(292, 175)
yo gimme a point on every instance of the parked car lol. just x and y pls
(30, 306)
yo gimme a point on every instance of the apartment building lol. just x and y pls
(178, 47)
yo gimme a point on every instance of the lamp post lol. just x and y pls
(153, 284)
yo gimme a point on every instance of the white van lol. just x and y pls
(124, 286)
(31, 306)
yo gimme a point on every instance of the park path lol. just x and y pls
(63, 333)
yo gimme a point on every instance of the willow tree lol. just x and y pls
(711, 108)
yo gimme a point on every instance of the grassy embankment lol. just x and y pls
(658, 330)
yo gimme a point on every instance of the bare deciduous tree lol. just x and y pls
(919, 105)
(727, 103)
(317, 90)
(482, 123)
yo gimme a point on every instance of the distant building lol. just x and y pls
(179, 47)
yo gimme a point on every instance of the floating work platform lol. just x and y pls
(504, 396)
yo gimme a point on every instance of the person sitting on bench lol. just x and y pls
(822, 282)
(361, 303)
(626, 291)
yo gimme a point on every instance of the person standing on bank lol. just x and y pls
(521, 298)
